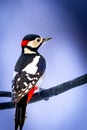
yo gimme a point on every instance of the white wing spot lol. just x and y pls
(30, 86)
(18, 79)
(33, 82)
(17, 86)
(25, 83)
(19, 94)
(36, 78)
(23, 89)
(26, 75)
(29, 78)
(22, 95)
(26, 91)
(37, 73)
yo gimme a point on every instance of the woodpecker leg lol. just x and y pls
(40, 91)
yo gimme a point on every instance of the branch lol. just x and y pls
(44, 94)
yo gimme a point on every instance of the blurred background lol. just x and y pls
(66, 55)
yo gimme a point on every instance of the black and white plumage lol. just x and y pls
(29, 69)
(28, 73)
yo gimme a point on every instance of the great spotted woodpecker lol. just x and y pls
(28, 74)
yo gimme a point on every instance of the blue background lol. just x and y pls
(66, 55)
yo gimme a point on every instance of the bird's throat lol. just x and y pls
(28, 51)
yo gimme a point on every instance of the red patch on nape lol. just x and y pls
(31, 92)
(24, 42)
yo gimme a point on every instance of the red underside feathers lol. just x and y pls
(30, 93)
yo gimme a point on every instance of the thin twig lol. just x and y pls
(48, 92)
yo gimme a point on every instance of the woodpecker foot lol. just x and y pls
(41, 92)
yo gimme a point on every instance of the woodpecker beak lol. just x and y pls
(46, 39)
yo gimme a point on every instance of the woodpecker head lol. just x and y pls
(32, 42)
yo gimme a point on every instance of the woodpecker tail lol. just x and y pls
(21, 109)
(20, 113)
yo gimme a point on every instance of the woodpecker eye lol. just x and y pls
(38, 39)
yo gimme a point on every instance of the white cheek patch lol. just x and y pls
(32, 67)
(30, 43)
(33, 44)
